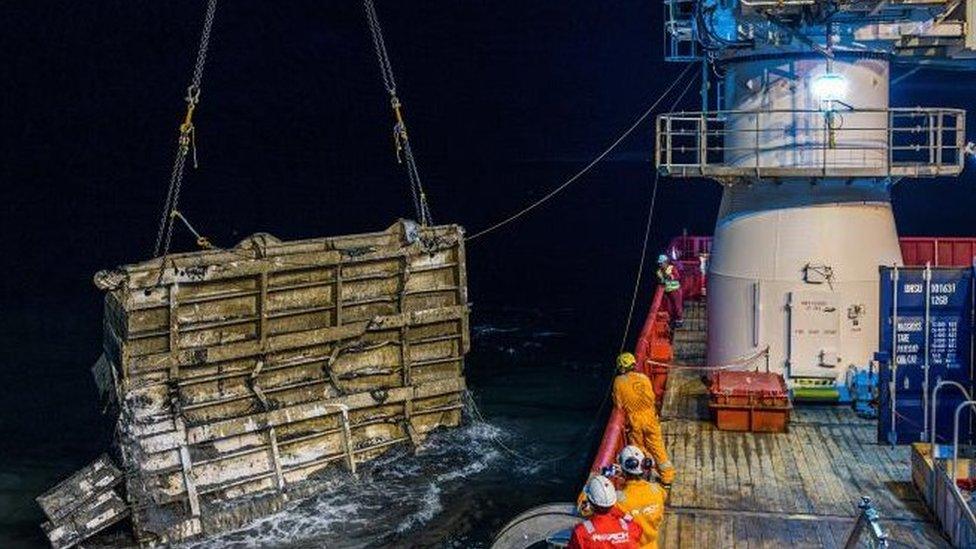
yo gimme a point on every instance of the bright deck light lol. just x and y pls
(829, 87)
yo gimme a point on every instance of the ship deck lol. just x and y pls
(799, 488)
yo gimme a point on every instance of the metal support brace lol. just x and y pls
(252, 383)
(186, 465)
(927, 275)
(892, 384)
(404, 329)
(405, 356)
(346, 436)
(276, 457)
(263, 307)
(338, 294)
(408, 424)
(174, 334)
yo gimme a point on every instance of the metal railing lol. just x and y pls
(680, 43)
(773, 144)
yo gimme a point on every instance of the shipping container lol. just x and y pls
(925, 336)
(938, 251)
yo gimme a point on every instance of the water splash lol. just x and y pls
(394, 495)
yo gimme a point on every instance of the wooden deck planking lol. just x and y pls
(800, 489)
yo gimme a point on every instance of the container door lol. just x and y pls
(814, 334)
(946, 353)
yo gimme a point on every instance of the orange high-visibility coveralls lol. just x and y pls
(634, 394)
(644, 501)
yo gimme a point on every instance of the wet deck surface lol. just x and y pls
(797, 489)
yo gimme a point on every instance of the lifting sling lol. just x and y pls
(403, 151)
(185, 142)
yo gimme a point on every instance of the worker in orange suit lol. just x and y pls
(634, 394)
(640, 498)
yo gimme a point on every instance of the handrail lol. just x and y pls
(955, 436)
(933, 441)
(610, 444)
(615, 429)
(955, 458)
(870, 142)
(913, 110)
(647, 330)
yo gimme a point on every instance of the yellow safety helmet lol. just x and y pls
(626, 362)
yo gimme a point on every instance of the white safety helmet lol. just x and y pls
(600, 492)
(662, 259)
(631, 460)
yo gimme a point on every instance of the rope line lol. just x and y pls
(737, 363)
(640, 119)
(606, 397)
(185, 141)
(640, 265)
(476, 412)
(647, 236)
(650, 213)
(404, 152)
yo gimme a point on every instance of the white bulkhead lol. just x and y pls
(794, 263)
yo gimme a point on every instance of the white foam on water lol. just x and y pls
(549, 334)
(395, 494)
(430, 506)
(488, 329)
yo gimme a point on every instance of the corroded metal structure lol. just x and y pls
(241, 374)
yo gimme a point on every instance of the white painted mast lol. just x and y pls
(807, 150)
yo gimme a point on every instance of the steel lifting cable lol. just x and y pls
(641, 263)
(185, 142)
(404, 152)
(650, 216)
(640, 119)
(647, 236)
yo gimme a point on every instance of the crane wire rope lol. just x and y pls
(476, 412)
(185, 143)
(643, 259)
(404, 152)
(647, 236)
(640, 119)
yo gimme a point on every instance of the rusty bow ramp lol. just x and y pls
(797, 489)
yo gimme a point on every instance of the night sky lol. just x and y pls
(504, 100)
(294, 128)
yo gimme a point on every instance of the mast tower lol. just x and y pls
(803, 138)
